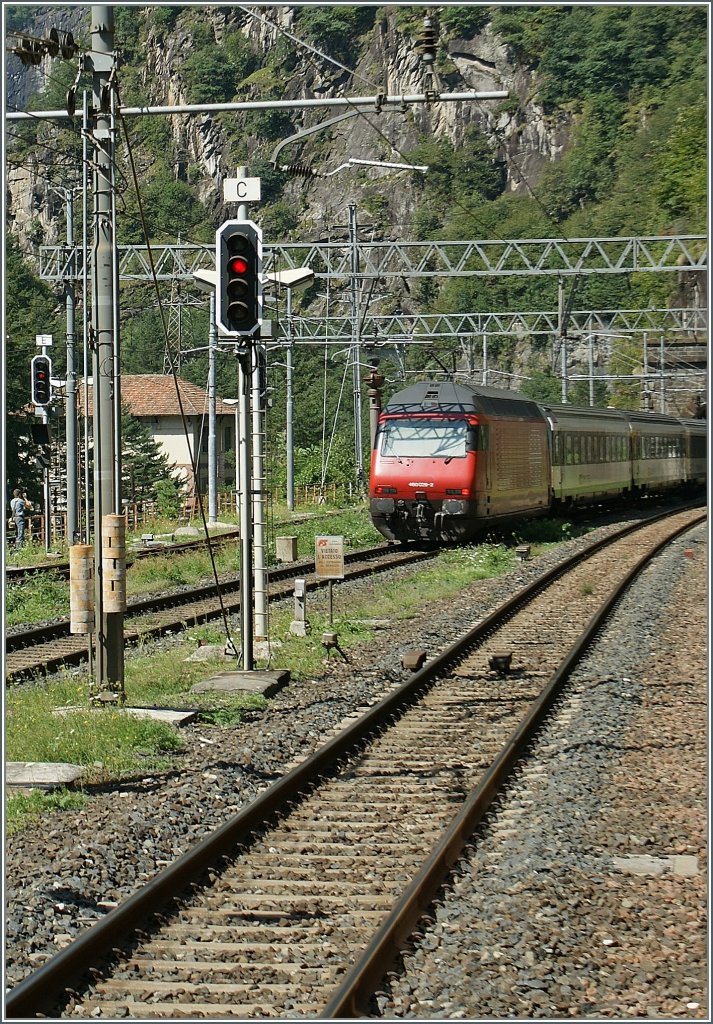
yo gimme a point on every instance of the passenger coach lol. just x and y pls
(590, 454)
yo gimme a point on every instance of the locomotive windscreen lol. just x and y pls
(421, 437)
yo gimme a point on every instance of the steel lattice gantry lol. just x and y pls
(414, 327)
(383, 260)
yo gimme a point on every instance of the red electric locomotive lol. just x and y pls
(451, 460)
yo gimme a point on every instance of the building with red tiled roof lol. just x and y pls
(153, 399)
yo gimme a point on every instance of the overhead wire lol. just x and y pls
(184, 421)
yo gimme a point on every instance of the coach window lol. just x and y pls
(559, 450)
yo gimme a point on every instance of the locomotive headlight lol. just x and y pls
(454, 507)
(384, 505)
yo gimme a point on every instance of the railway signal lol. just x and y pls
(238, 260)
(41, 385)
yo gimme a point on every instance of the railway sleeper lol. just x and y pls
(188, 1011)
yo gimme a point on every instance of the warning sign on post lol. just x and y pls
(329, 558)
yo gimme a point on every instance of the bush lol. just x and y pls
(168, 499)
(335, 29)
(464, 22)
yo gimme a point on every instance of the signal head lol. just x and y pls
(239, 294)
(40, 380)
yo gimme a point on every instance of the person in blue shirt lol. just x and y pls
(20, 508)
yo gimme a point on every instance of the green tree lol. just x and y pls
(335, 30)
(543, 386)
(29, 310)
(464, 21)
(209, 75)
(146, 470)
(682, 186)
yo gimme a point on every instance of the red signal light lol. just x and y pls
(238, 265)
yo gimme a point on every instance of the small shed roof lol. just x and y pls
(154, 394)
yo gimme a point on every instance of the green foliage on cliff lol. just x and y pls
(335, 29)
(627, 83)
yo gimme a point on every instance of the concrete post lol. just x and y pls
(70, 407)
(109, 667)
(299, 625)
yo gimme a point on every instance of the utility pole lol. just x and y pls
(290, 411)
(562, 332)
(646, 397)
(356, 348)
(246, 538)
(246, 461)
(253, 423)
(212, 446)
(109, 665)
(375, 381)
(41, 385)
(70, 408)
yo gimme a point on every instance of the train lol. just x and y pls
(452, 460)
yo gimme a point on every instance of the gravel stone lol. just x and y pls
(537, 922)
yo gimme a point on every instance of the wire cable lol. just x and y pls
(184, 421)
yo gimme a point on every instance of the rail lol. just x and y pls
(47, 988)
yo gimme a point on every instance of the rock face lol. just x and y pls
(390, 64)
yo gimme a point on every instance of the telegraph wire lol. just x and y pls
(184, 421)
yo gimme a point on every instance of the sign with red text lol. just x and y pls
(329, 558)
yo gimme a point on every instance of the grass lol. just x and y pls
(27, 809)
(54, 722)
(35, 600)
(110, 744)
(107, 742)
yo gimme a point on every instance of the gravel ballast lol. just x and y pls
(550, 923)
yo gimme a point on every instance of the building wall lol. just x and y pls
(168, 432)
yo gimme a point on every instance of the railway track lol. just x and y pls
(17, 573)
(46, 648)
(297, 906)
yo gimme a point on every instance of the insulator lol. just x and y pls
(427, 41)
(52, 42)
(68, 46)
(299, 170)
(29, 51)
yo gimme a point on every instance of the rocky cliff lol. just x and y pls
(523, 136)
